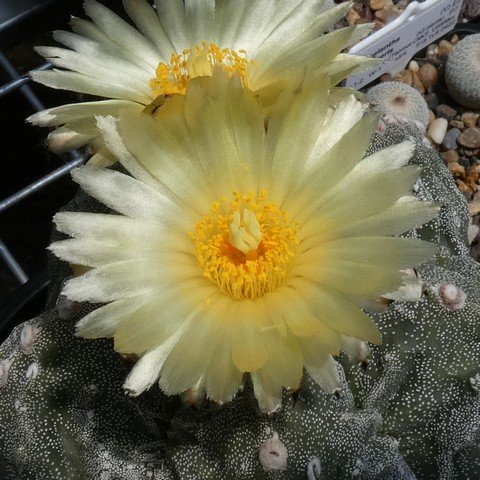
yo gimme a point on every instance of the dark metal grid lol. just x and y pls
(20, 83)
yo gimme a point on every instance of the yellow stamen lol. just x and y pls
(196, 62)
(245, 246)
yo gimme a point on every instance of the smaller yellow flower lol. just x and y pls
(267, 44)
(238, 249)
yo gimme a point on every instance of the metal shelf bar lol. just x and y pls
(12, 264)
(39, 184)
(20, 81)
(25, 89)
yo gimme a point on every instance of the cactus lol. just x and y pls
(412, 411)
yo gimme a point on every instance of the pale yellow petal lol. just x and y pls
(155, 322)
(337, 311)
(323, 369)
(105, 321)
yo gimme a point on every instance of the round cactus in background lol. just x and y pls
(462, 72)
(398, 102)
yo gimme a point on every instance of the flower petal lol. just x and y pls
(80, 83)
(121, 32)
(249, 351)
(323, 369)
(152, 324)
(105, 321)
(147, 370)
(131, 197)
(337, 311)
(147, 21)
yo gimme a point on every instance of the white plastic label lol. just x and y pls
(416, 28)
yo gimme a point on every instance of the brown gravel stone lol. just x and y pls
(444, 48)
(392, 14)
(474, 206)
(463, 187)
(431, 117)
(376, 4)
(456, 169)
(405, 76)
(451, 156)
(470, 118)
(381, 14)
(457, 124)
(454, 39)
(417, 84)
(428, 75)
(353, 17)
(445, 111)
(386, 77)
(470, 138)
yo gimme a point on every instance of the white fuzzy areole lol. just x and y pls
(451, 295)
(28, 336)
(4, 369)
(273, 454)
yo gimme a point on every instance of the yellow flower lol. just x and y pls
(268, 44)
(239, 249)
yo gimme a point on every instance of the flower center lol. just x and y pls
(245, 245)
(196, 62)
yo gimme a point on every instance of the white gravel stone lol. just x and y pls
(413, 66)
(437, 130)
(472, 233)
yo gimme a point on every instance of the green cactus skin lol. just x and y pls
(413, 413)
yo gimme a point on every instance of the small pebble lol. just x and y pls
(428, 75)
(381, 14)
(464, 162)
(457, 124)
(470, 138)
(431, 117)
(444, 48)
(449, 141)
(472, 233)
(432, 51)
(463, 187)
(416, 83)
(445, 111)
(391, 15)
(353, 17)
(454, 39)
(474, 205)
(451, 156)
(376, 4)
(386, 77)
(437, 130)
(405, 76)
(413, 66)
(470, 118)
(432, 101)
(456, 169)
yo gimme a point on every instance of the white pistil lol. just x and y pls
(245, 234)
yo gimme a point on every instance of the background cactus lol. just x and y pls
(412, 413)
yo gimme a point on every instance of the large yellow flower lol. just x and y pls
(237, 249)
(267, 43)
